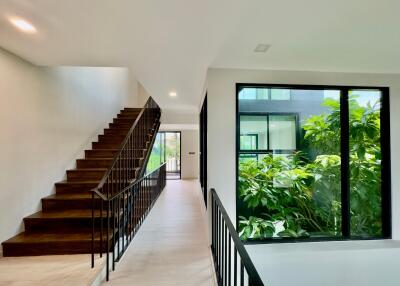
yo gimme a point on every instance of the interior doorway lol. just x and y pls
(203, 149)
(172, 149)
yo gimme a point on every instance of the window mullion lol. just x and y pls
(344, 151)
(386, 170)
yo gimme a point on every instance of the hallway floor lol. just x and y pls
(171, 247)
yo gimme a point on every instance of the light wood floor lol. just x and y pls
(60, 270)
(171, 247)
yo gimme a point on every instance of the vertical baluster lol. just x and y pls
(113, 234)
(125, 168)
(101, 226)
(223, 262)
(226, 253)
(230, 259)
(141, 201)
(241, 273)
(111, 183)
(129, 156)
(131, 215)
(147, 194)
(118, 224)
(135, 207)
(219, 244)
(119, 173)
(212, 225)
(92, 228)
(123, 222)
(235, 266)
(108, 241)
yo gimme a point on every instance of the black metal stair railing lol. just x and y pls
(232, 263)
(125, 193)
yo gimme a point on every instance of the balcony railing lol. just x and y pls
(126, 194)
(233, 265)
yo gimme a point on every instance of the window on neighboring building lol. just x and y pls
(313, 162)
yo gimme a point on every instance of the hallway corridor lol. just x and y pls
(171, 248)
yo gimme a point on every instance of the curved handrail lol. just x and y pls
(121, 148)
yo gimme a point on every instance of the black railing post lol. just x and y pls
(92, 229)
(108, 241)
(127, 194)
(223, 234)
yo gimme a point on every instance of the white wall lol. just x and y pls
(190, 162)
(221, 90)
(48, 116)
(142, 95)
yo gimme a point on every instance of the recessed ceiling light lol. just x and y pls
(173, 94)
(262, 48)
(23, 25)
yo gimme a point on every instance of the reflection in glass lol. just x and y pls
(253, 132)
(282, 132)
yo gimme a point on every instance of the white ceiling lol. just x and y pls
(170, 44)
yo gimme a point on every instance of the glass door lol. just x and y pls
(172, 143)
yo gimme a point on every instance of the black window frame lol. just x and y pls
(386, 191)
(250, 135)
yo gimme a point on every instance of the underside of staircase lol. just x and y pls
(64, 225)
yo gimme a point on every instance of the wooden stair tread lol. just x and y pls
(40, 237)
(87, 182)
(70, 196)
(85, 213)
(88, 169)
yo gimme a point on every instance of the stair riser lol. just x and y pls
(129, 121)
(54, 205)
(91, 163)
(101, 145)
(129, 115)
(84, 175)
(130, 109)
(100, 153)
(116, 131)
(60, 224)
(51, 248)
(109, 153)
(112, 138)
(87, 163)
(120, 125)
(67, 189)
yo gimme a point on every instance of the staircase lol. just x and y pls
(64, 225)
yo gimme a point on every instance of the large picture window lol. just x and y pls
(313, 162)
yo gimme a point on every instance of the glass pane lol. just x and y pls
(156, 158)
(254, 93)
(282, 132)
(280, 94)
(172, 154)
(297, 193)
(253, 132)
(248, 142)
(365, 163)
